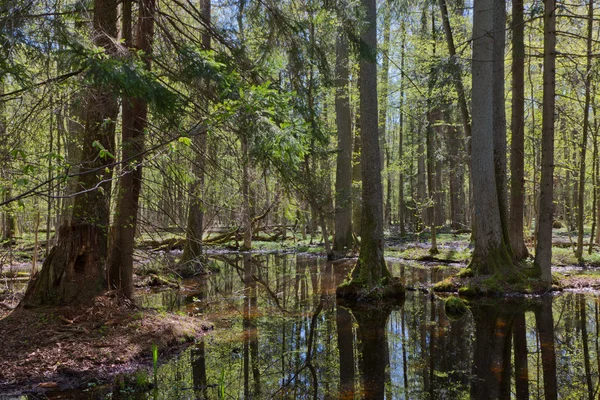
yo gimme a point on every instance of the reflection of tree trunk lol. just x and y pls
(404, 356)
(491, 357)
(520, 345)
(247, 324)
(346, 349)
(199, 370)
(586, 350)
(374, 350)
(545, 326)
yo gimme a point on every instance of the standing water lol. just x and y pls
(280, 333)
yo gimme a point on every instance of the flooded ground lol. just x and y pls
(279, 333)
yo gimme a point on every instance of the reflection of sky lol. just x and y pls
(426, 338)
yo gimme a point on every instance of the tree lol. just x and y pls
(135, 121)
(543, 251)
(195, 221)
(586, 129)
(343, 178)
(370, 271)
(74, 271)
(517, 146)
(491, 254)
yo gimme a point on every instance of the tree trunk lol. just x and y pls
(246, 217)
(357, 177)
(343, 178)
(490, 254)
(383, 110)
(456, 72)
(401, 209)
(134, 122)
(584, 139)
(370, 271)
(499, 35)
(8, 215)
(517, 148)
(543, 252)
(433, 118)
(74, 271)
(195, 220)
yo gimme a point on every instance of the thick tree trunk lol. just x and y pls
(491, 254)
(543, 252)
(195, 221)
(74, 270)
(343, 178)
(499, 35)
(135, 115)
(517, 148)
(371, 266)
(586, 129)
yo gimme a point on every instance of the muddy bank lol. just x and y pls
(67, 347)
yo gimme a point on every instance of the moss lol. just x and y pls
(465, 273)
(357, 289)
(455, 307)
(447, 285)
(468, 291)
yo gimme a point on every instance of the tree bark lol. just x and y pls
(401, 209)
(371, 266)
(517, 148)
(383, 111)
(490, 254)
(343, 178)
(586, 129)
(499, 35)
(134, 122)
(543, 252)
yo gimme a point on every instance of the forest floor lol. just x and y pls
(67, 347)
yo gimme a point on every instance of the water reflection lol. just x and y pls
(279, 333)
